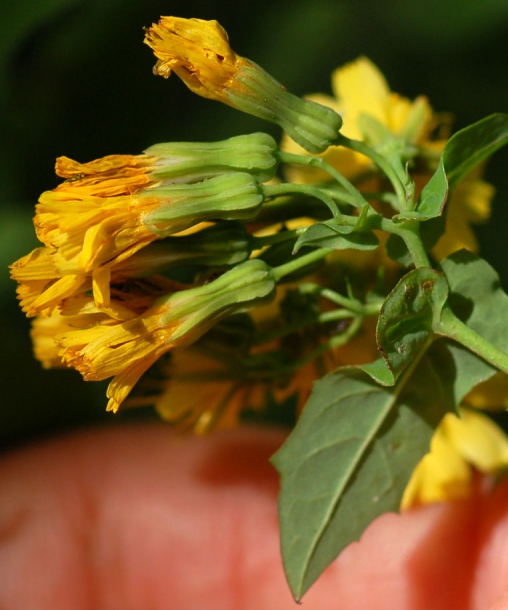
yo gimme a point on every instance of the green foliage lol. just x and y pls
(352, 452)
(463, 152)
(350, 457)
(330, 235)
(364, 429)
(406, 320)
(478, 299)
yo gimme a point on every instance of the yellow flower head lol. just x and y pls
(124, 340)
(128, 301)
(123, 351)
(198, 52)
(41, 285)
(459, 445)
(92, 218)
(361, 92)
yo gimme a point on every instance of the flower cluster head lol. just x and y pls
(202, 280)
(98, 286)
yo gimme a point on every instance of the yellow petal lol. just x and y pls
(197, 51)
(478, 440)
(361, 89)
(468, 205)
(441, 475)
(101, 278)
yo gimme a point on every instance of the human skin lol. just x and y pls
(135, 517)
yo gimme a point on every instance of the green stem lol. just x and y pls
(409, 231)
(353, 306)
(297, 263)
(381, 162)
(258, 242)
(273, 190)
(334, 315)
(450, 326)
(357, 198)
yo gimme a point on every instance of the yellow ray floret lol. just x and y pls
(198, 52)
(123, 351)
(460, 445)
(92, 218)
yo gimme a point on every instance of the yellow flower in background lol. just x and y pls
(201, 393)
(206, 390)
(360, 89)
(491, 394)
(460, 445)
(469, 205)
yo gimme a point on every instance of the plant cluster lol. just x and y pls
(335, 270)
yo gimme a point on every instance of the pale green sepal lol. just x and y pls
(232, 196)
(196, 310)
(313, 126)
(254, 153)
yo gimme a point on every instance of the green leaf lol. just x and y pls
(463, 152)
(477, 298)
(472, 145)
(350, 457)
(379, 372)
(406, 319)
(398, 251)
(330, 235)
(356, 444)
(434, 194)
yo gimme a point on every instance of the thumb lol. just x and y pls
(136, 517)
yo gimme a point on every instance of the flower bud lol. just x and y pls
(313, 126)
(198, 52)
(191, 161)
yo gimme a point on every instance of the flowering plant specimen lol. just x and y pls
(336, 271)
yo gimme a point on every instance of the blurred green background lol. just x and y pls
(76, 80)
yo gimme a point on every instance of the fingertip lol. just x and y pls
(491, 574)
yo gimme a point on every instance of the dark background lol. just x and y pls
(76, 80)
